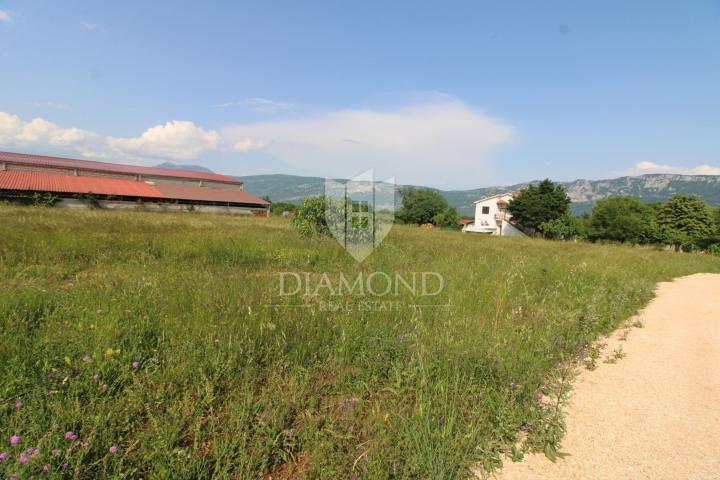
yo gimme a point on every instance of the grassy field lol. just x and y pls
(153, 342)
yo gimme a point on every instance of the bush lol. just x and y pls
(623, 219)
(309, 219)
(714, 249)
(565, 228)
(46, 199)
(448, 218)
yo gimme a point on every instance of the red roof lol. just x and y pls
(502, 202)
(70, 163)
(49, 182)
(188, 192)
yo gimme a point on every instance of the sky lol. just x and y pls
(446, 94)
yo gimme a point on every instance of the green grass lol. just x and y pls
(229, 387)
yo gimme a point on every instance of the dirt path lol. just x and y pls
(654, 414)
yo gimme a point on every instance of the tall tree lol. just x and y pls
(622, 219)
(538, 204)
(420, 205)
(684, 219)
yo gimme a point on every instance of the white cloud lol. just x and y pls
(39, 132)
(650, 167)
(89, 25)
(247, 144)
(258, 104)
(423, 143)
(5, 16)
(177, 139)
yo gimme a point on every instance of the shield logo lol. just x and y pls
(360, 212)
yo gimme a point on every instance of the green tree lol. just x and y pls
(420, 205)
(623, 219)
(538, 204)
(448, 218)
(684, 220)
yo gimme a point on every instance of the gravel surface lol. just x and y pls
(654, 414)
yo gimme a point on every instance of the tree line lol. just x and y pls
(685, 222)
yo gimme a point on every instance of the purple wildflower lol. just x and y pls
(113, 450)
(18, 404)
(3, 456)
(46, 468)
(136, 364)
(23, 458)
(86, 445)
(15, 440)
(55, 452)
(65, 465)
(70, 435)
(104, 386)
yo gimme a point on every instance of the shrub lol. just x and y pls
(309, 219)
(46, 199)
(714, 249)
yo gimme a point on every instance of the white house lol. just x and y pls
(492, 217)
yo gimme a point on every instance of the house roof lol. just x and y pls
(106, 167)
(57, 183)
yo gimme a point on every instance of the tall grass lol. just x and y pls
(155, 334)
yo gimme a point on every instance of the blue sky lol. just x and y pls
(447, 94)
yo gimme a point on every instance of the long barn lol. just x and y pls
(79, 183)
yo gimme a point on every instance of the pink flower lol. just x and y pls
(18, 404)
(3, 456)
(55, 452)
(104, 386)
(136, 364)
(86, 445)
(46, 468)
(113, 450)
(23, 458)
(15, 440)
(70, 435)
(33, 451)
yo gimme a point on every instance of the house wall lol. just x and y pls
(163, 207)
(489, 217)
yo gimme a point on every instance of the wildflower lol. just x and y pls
(33, 451)
(86, 359)
(96, 377)
(55, 452)
(86, 445)
(23, 458)
(65, 465)
(104, 386)
(70, 436)
(18, 404)
(46, 468)
(3, 456)
(15, 440)
(113, 450)
(136, 364)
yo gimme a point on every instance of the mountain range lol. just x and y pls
(583, 193)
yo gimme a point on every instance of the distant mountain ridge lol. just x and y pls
(583, 193)
(180, 166)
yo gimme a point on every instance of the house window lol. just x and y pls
(485, 210)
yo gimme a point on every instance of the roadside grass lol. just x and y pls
(226, 385)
